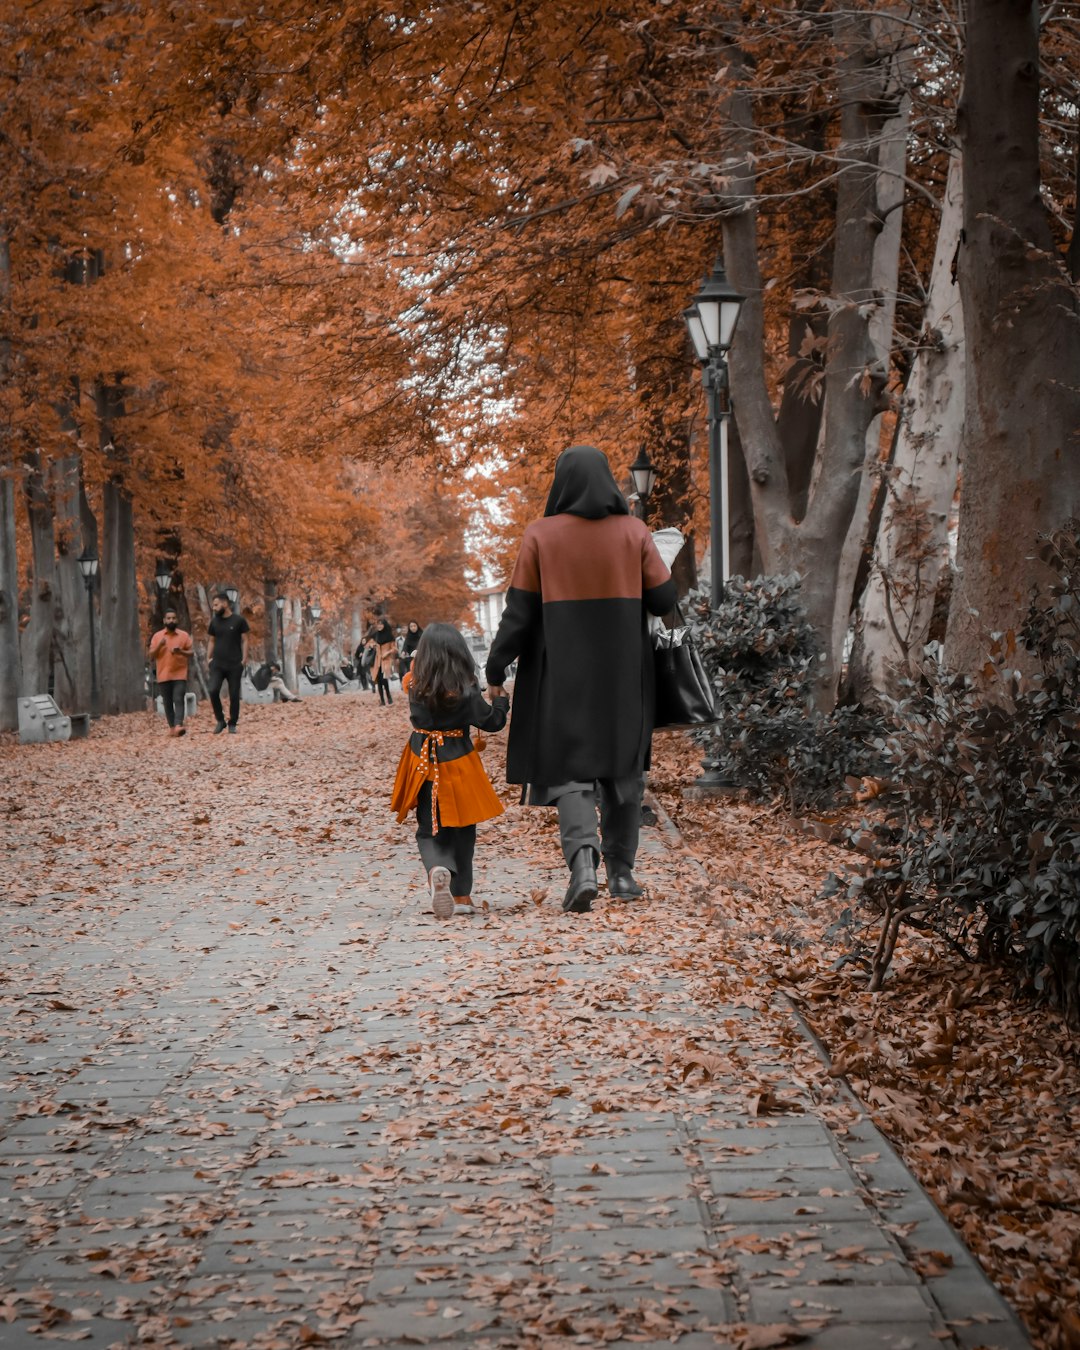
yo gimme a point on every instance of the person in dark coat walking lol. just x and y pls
(413, 634)
(585, 579)
(385, 657)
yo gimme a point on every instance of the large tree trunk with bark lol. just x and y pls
(37, 637)
(9, 606)
(122, 662)
(271, 640)
(885, 280)
(661, 387)
(911, 552)
(741, 506)
(9, 566)
(72, 644)
(123, 668)
(854, 376)
(813, 547)
(1021, 472)
(122, 650)
(293, 618)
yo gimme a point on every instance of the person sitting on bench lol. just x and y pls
(325, 677)
(280, 688)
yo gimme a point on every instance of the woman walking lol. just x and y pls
(586, 577)
(413, 634)
(385, 657)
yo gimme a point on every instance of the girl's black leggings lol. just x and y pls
(453, 847)
(382, 683)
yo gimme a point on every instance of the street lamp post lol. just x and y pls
(316, 614)
(710, 320)
(88, 566)
(643, 473)
(163, 578)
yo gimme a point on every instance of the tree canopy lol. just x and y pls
(315, 297)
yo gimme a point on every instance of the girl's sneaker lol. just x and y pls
(463, 905)
(442, 902)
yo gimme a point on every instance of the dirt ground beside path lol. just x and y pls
(254, 1095)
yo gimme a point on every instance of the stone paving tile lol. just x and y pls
(847, 1303)
(338, 1138)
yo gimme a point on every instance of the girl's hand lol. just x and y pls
(497, 691)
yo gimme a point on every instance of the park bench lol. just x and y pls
(41, 720)
(191, 704)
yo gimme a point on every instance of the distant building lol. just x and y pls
(488, 603)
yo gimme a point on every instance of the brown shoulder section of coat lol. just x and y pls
(589, 559)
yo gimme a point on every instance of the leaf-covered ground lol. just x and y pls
(978, 1089)
(254, 1095)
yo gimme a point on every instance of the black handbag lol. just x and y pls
(684, 693)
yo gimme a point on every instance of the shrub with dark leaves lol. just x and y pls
(762, 656)
(981, 842)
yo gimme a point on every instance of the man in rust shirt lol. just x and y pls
(171, 648)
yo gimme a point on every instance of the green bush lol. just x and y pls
(981, 839)
(762, 655)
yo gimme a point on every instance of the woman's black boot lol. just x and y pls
(582, 889)
(621, 882)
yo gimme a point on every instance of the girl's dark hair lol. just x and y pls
(443, 669)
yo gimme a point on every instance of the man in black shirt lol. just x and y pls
(227, 654)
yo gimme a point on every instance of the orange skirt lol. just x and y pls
(466, 796)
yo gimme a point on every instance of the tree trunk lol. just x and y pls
(853, 378)
(72, 645)
(9, 564)
(9, 607)
(169, 549)
(123, 665)
(885, 280)
(1021, 472)
(293, 616)
(765, 462)
(37, 637)
(665, 400)
(798, 420)
(740, 505)
(271, 641)
(853, 375)
(912, 543)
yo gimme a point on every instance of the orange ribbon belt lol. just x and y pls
(429, 759)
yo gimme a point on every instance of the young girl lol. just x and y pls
(440, 773)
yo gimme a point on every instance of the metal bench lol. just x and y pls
(41, 720)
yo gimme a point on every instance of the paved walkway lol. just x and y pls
(263, 1099)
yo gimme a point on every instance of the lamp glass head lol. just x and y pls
(643, 472)
(718, 304)
(696, 330)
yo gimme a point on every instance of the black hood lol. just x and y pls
(584, 486)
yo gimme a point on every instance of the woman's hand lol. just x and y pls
(497, 691)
